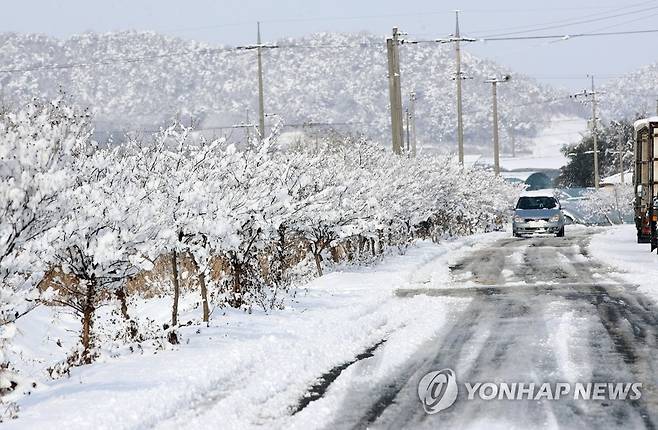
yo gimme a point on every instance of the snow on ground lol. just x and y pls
(618, 247)
(244, 370)
(545, 147)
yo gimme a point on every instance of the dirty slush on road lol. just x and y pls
(541, 311)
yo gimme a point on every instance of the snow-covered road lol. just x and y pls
(542, 311)
(350, 352)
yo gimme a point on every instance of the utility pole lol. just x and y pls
(395, 90)
(457, 39)
(621, 158)
(596, 145)
(261, 103)
(513, 138)
(247, 131)
(412, 115)
(458, 78)
(591, 95)
(408, 117)
(496, 146)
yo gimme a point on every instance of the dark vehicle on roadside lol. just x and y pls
(538, 212)
(645, 180)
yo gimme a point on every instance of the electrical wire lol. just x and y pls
(533, 26)
(571, 23)
(569, 36)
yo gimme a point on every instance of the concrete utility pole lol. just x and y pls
(591, 95)
(395, 90)
(412, 115)
(247, 131)
(621, 158)
(494, 85)
(457, 39)
(594, 138)
(261, 103)
(408, 119)
(458, 78)
(512, 133)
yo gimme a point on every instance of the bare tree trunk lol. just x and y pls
(121, 296)
(201, 276)
(174, 271)
(318, 262)
(87, 321)
(204, 296)
(236, 299)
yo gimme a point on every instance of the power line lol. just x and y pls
(570, 36)
(572, 23)
(533, 26)
(382, 16)
(209, 51)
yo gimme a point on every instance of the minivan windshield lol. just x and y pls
(536, 203)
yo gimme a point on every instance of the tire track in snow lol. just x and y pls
(506, 334)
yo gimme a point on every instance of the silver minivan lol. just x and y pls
(538, 213)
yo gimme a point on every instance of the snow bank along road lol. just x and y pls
(351, 352)
(540, 311)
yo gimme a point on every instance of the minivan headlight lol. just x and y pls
(555, 218)
(518, 218)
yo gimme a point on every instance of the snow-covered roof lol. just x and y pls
(616, 179)
(644, 122)
(548, 192)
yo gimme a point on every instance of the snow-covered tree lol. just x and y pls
(107, 234)
(38, 144)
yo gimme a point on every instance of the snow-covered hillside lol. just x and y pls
(323, 78)
(632, 95)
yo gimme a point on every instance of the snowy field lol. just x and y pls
(244, 370)
(545, 147)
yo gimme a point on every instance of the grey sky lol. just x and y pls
(232, 22)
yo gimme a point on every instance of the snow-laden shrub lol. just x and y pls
(247, 220)
(608, 205)
(38, 145)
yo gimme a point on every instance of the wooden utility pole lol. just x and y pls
(395, 91)
(496, 145)
(261, 103)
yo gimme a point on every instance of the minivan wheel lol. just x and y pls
(560, 233)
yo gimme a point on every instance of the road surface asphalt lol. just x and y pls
(541, 310)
